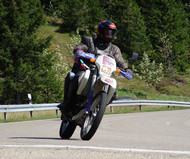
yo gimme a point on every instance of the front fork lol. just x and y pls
(90, 97)
(109, 89)
(106, 88)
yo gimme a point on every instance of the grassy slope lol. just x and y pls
(167, 89)
(60, 40)
(176, 89)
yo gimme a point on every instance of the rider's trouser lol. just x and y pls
(70, 89)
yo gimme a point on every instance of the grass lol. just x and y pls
(59, 41)
(173, 91)
(136, 109)
(59, 38)
(25, 116)
(140, 95)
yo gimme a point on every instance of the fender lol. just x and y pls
(112, 85)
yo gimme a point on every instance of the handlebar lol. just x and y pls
(82, 54)
(91, 57)
(124, 74)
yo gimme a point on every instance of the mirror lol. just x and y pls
(134, 57)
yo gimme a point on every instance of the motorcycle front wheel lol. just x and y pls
(67, 129)
(92, 121)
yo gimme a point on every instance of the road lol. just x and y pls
(164, 134)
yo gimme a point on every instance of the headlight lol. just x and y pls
(106, 70)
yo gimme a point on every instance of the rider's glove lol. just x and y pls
(128, 70)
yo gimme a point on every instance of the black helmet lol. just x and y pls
(106, 31)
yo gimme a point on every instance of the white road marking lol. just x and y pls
(97, 148)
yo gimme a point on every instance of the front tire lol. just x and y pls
(66, 129)
(95, 116)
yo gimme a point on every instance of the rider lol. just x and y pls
(101, 44)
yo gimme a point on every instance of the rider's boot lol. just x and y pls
(70, 89)
(65, 112)
(63, 107)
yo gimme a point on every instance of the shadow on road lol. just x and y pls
(41, 138)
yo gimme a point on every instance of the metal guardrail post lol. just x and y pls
(5, 115)
(111, 109)
(140, 107)
(31, 114)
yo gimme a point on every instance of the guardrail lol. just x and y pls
(53, 106)
(27, 107)
(148, 102)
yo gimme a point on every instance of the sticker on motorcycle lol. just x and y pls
(107, 61)
(108, 80)
(106, 70)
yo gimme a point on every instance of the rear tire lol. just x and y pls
(67, 129)
(92, 121)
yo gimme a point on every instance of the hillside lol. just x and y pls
(177, 89)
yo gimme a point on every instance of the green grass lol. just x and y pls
(25, 116)
(59, 41)
(140, 95)
(135, 109)
(59, 38)
(174, 91)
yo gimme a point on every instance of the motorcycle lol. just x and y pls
(95, 92)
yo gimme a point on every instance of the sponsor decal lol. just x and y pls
(107, 61)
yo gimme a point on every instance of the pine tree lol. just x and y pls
(80, 14)
(131, 34)
(149, 71)
(70, 14)
(168, 17)
(48, 85)
(23, 64)
(167, 55)
(93, 16)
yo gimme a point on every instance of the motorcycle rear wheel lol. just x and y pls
(95, 116)
(66, 129)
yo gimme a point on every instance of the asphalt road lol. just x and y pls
(136, 136)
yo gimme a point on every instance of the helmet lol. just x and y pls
(106, 31)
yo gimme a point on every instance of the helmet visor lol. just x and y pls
(109, 33)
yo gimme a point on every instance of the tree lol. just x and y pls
(80, 14)
(167, 55)
(23, 62)
(50, 78)
(149, 71)
(131, 34)
(167, 17)
(94, 16)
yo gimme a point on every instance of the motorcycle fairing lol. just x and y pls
(83, 81)
(112, 85)
(108, 80)
(106, 65)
